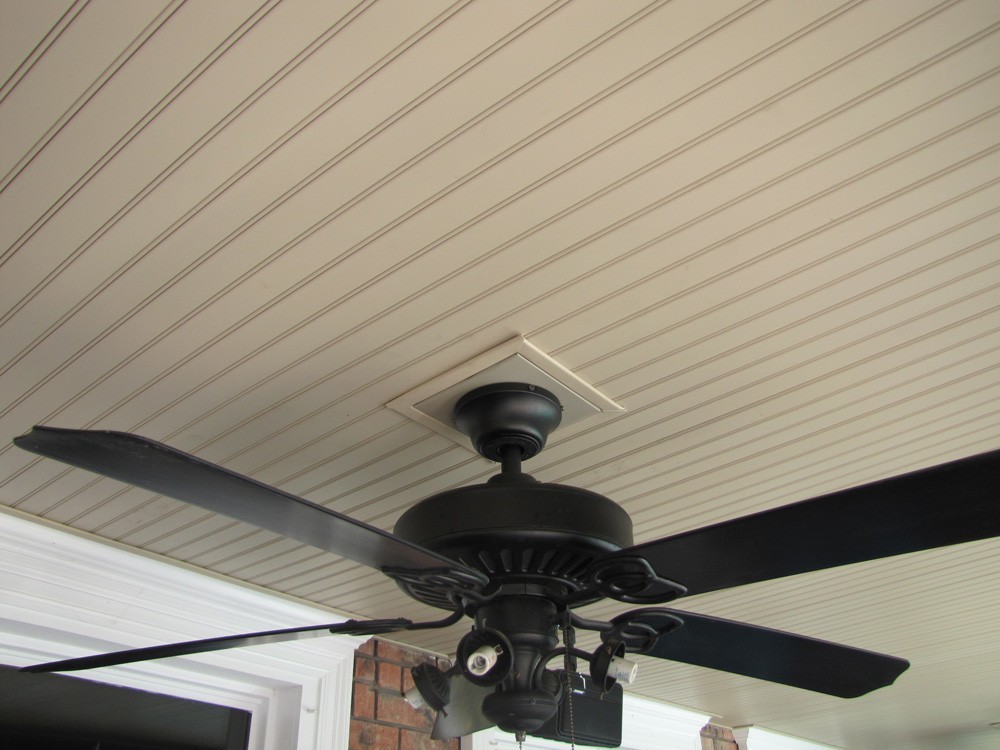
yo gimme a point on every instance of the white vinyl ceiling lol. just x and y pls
(767, 229)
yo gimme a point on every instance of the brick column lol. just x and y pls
(380, 718)
(717, 738)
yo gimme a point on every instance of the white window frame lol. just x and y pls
(65, 594)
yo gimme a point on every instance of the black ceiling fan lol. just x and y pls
(517, 556)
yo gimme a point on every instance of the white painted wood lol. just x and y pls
(66, 595)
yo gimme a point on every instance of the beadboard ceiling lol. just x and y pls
(767, 229)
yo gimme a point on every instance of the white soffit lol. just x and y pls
(515, 361)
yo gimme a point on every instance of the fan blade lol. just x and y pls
(948, 504)
(772, 655)
(464, 713)
(167, 471)
(351, 627)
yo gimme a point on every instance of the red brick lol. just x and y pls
(367, 736)
(363, 701)
(389, 676)
(368, 647)
(714, 737)
(364, 668)
(395, 710)
(407, 679)
(410, 740)
(399, 654)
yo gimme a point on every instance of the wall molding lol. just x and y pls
(65, 593)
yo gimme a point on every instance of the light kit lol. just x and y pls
(533, 699)
(608, 665)
(431, 687)
(486, 656)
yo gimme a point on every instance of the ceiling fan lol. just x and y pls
(517, 556)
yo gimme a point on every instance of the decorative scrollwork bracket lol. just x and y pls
(632, 580)
(444, 588)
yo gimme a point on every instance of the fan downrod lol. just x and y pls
(499, 416)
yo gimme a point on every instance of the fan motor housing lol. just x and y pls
(518, 530)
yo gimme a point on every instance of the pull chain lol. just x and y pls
(569, 703)
(569, 662)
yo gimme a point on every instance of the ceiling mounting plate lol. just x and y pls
(432, 404)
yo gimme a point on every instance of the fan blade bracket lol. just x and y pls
(632, 580)
(640, 629)
(444, 588)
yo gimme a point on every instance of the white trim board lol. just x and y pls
(63, 594)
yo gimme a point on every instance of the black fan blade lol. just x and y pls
(351, 627)
(772, 655)
(167, 471)
(948, 504)
(464, 713)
